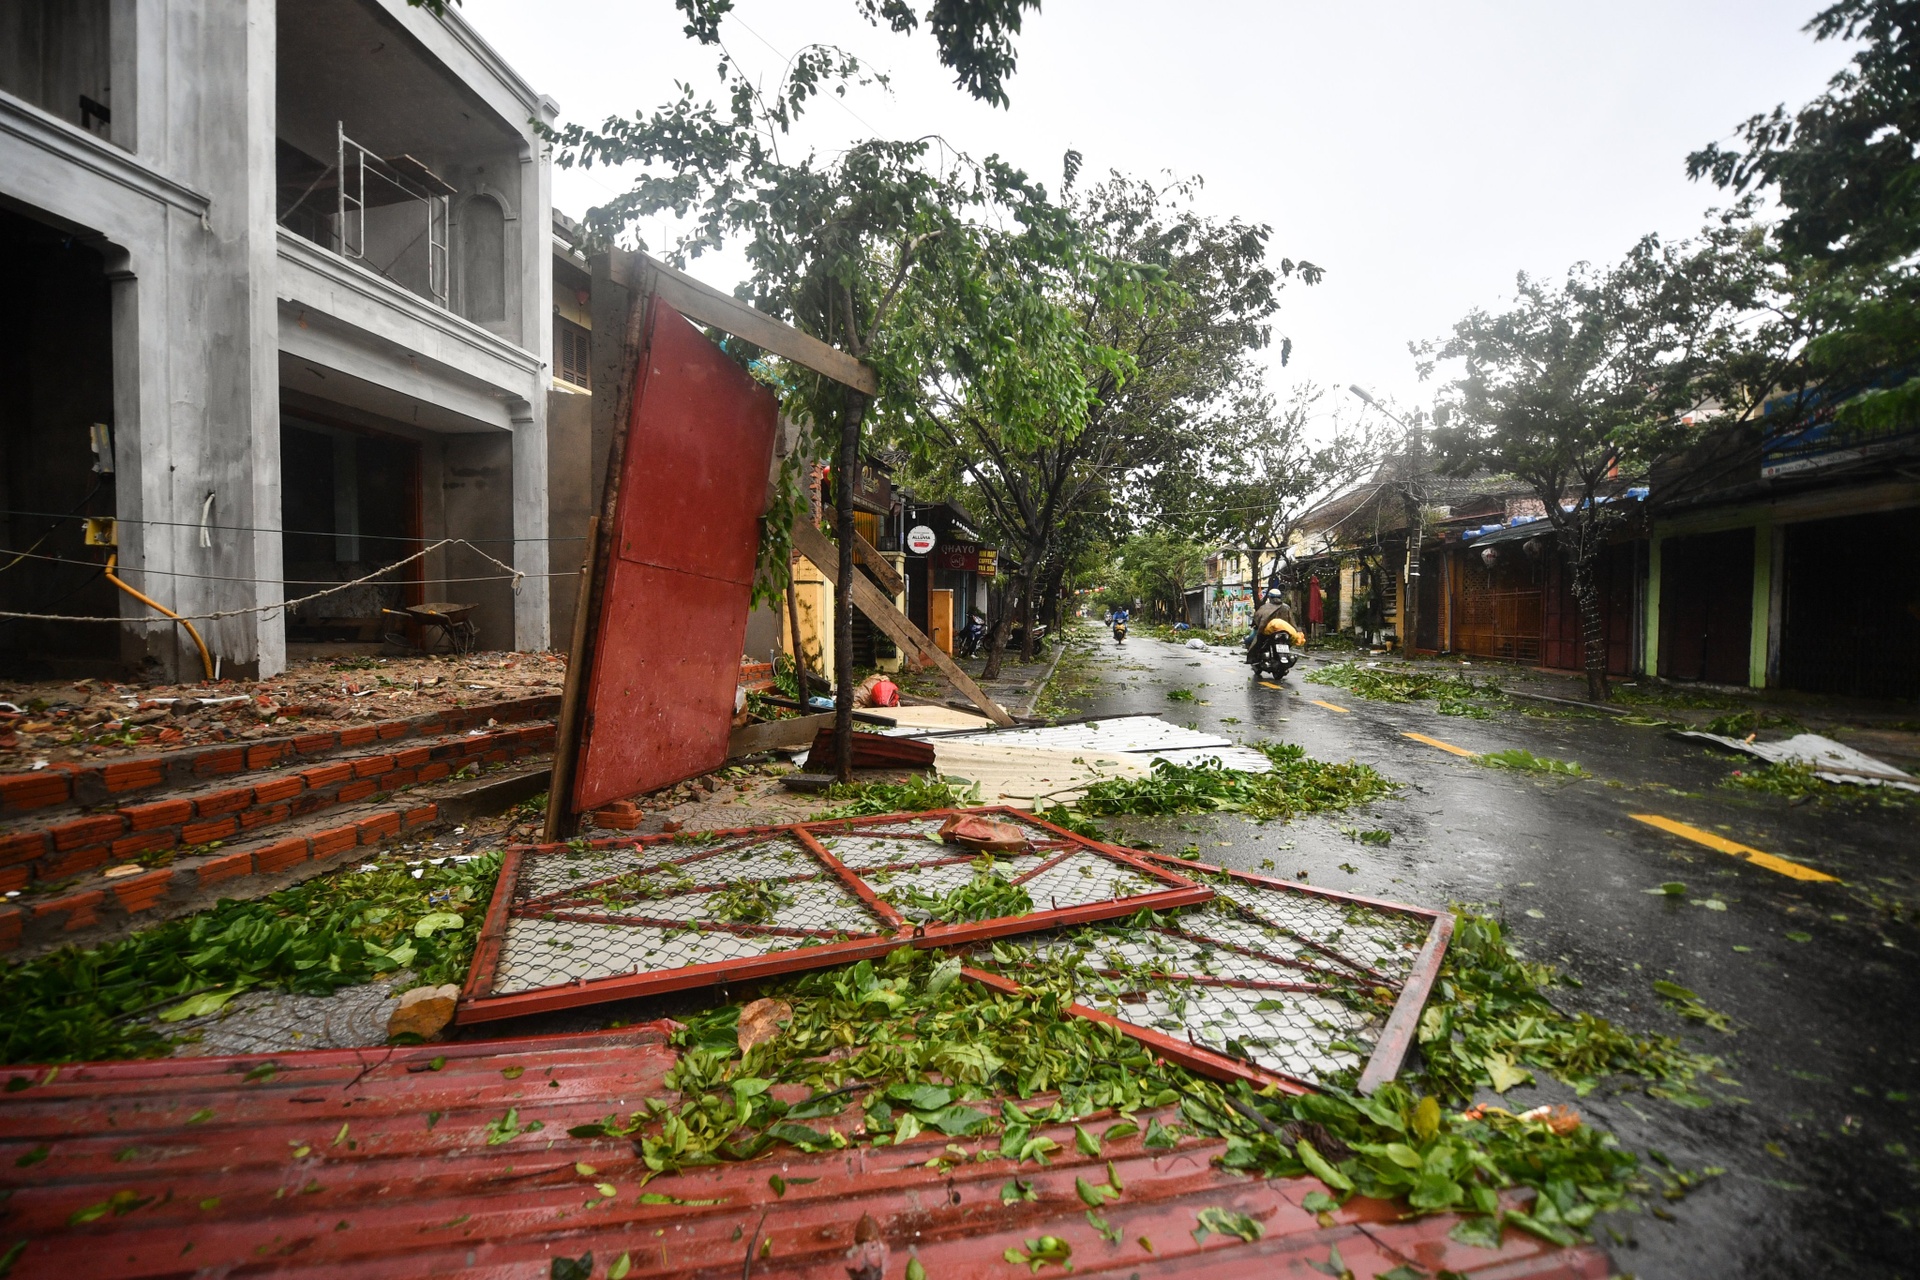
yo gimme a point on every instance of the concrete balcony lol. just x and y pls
(407, 357)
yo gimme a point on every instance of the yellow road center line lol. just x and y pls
(1265, 685)
(1720, 844)
(1329, 706)
(1444, 746)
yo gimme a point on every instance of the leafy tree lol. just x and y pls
(856, 249)
(1167, 363)
(1267, 470)
(975, 37)
(1157, 567)
(1845, 168)
(1582, 383)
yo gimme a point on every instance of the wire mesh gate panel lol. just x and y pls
(1270, 981)
(592, 921)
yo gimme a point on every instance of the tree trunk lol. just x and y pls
(1410, 615)
(1593, 634)
(1026, 615)
(997, 641)
(845, 472)
(799, 645)
(1055, 574)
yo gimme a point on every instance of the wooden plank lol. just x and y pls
(867, 598)
(707, 305)
(797, 731)
(566, 738)
(875, 562)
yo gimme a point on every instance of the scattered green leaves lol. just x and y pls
(1520, 760)
(1688, 1005)
(916, 795)
(333, 931)
(1297, 784)
(1216, 1220)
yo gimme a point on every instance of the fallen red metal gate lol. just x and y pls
(1271, 981)
(592, 921)
(678, 555)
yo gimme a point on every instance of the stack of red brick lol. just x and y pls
(311, 797)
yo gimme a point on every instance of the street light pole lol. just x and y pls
(1410, 492)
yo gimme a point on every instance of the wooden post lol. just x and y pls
(913, 642)
(565, 740)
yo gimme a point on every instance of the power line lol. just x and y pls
(280, 582)
(285, 533)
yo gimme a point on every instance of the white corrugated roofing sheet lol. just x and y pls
(1148, 736)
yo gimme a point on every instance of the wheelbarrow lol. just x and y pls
(452, 622)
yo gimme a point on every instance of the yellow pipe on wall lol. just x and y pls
(206, 660)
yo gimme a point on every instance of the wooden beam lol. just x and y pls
(876, 563)
(703, 303)
(867, 598)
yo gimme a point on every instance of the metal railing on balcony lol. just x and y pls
(410, 246)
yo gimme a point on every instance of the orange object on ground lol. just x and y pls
(984, 834)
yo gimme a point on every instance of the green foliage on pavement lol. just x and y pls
(917, 794)
(122, 999)
(1798, 782)
(1520, 760)
(1455, 694)
(1297, 784)
(908, 1048)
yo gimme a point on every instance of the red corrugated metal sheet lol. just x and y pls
(369, 1164)
(686, 533)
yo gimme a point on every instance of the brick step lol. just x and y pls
(97, 908)
(56, 844)
(73, 785)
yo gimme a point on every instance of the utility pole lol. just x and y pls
(1412, 493)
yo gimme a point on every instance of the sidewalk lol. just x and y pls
(1887, 730)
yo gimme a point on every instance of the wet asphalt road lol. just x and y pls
(1820, 1136)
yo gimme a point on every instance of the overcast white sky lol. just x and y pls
(1422, 151)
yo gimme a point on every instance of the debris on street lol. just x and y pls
(593, 921)
(1830, 761)
(50, 722)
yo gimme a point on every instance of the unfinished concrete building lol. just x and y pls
(276, 290)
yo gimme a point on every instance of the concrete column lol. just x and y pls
(264, 638)
(1760, 630)
(531, 623)
(1650, 651)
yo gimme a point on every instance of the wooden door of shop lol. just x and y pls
(1706, 606)
(940, 618)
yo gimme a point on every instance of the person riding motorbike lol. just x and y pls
(1272, 623)
(1119, 621)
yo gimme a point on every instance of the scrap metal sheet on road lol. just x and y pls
(1148, 737)
(456, 1160)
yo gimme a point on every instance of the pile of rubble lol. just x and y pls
(48, 722)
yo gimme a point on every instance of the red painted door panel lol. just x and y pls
(673, 616)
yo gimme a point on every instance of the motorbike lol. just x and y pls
(1119, 632)
(1274, 659)
(971, 635)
